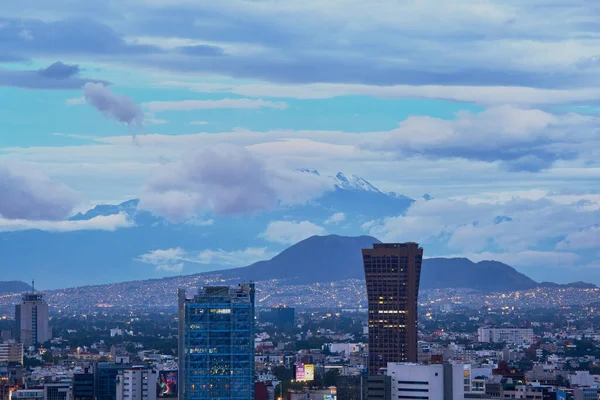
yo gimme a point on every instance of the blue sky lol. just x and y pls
(487, 105)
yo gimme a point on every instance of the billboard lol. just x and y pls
(561, 396)
(167, 384)
(305, 372)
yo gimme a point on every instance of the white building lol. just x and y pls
(31, 319)
(516, 336)
(28, 394)
(11, 352)
(427, 382)
(137, 383)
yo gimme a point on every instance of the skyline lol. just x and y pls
(207, 111)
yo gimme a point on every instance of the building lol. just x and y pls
(216, 343)
(57, 391)
(516, 336)
(392, 272)
(11, 352)
(83, 385)
(105, 379)
(432, 382)
(137, 383)
(280, 316)
(31, 319)
(586, 393)
(377, 387)
(28, 394)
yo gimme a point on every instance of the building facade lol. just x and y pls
(137, 383)
(11, 352)
(516, 336)
(83, 385)
(427, 382)
(105, 379)
(31, 319)
(216, 343)
(57, 391)
(392, 273)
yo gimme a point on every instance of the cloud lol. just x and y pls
(188, 105)
(75, 101)
(288, 232)
(120, 108)
(199, 123)
(173, 259)
(227, 180)
(516, 226)
(101, 223)
(336, 218)
(522, 139)
(26, 195)
(484, 95)
(58, 76)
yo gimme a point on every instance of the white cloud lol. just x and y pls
(225, 180)
(188, 105)
(497, 230)
(173, 259)
(336, 218)
(74, 101)
(199, 123)
(484, 95)
(103, 223)
(288, 232)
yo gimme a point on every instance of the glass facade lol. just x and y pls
(216, 343)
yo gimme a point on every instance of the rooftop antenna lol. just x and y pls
(33, 286)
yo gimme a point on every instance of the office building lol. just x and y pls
(392, 273)
(280, 316)
(11, 352)
(31, 319)
(137, 383)
(105, 379)
(28, 394)
(516, 336)
(57, 391)
(216, 343)
(431, 382)
(83, 385)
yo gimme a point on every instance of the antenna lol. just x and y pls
(32, 286)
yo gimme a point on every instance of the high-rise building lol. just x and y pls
(57, 391)
(105, 379)
(392, 273)
(517, 336)
(216, 343)
(137, 383)
(31, 317)
(83, 384)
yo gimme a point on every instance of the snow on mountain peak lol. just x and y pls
(354, 182)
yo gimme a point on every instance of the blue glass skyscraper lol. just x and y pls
(216, 343)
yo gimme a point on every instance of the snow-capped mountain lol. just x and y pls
(354, 182)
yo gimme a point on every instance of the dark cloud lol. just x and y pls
(120, 108)
(32, 197)
(58, 76)
(59, 70)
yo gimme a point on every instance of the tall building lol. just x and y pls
(105, 379)
(216, 343)
(433, 382)
(31, 317)
(57, 391)
(392, 273)
(83, 384)
(137, 383)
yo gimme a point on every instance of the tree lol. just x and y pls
(331, 376)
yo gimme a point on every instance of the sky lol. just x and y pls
(491, 107)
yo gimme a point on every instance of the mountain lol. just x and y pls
(316, 259)
(13, 287)
(332, 258)
(82, 257)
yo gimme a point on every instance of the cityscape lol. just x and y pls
(299, 199)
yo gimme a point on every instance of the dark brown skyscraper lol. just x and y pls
(392, 272)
